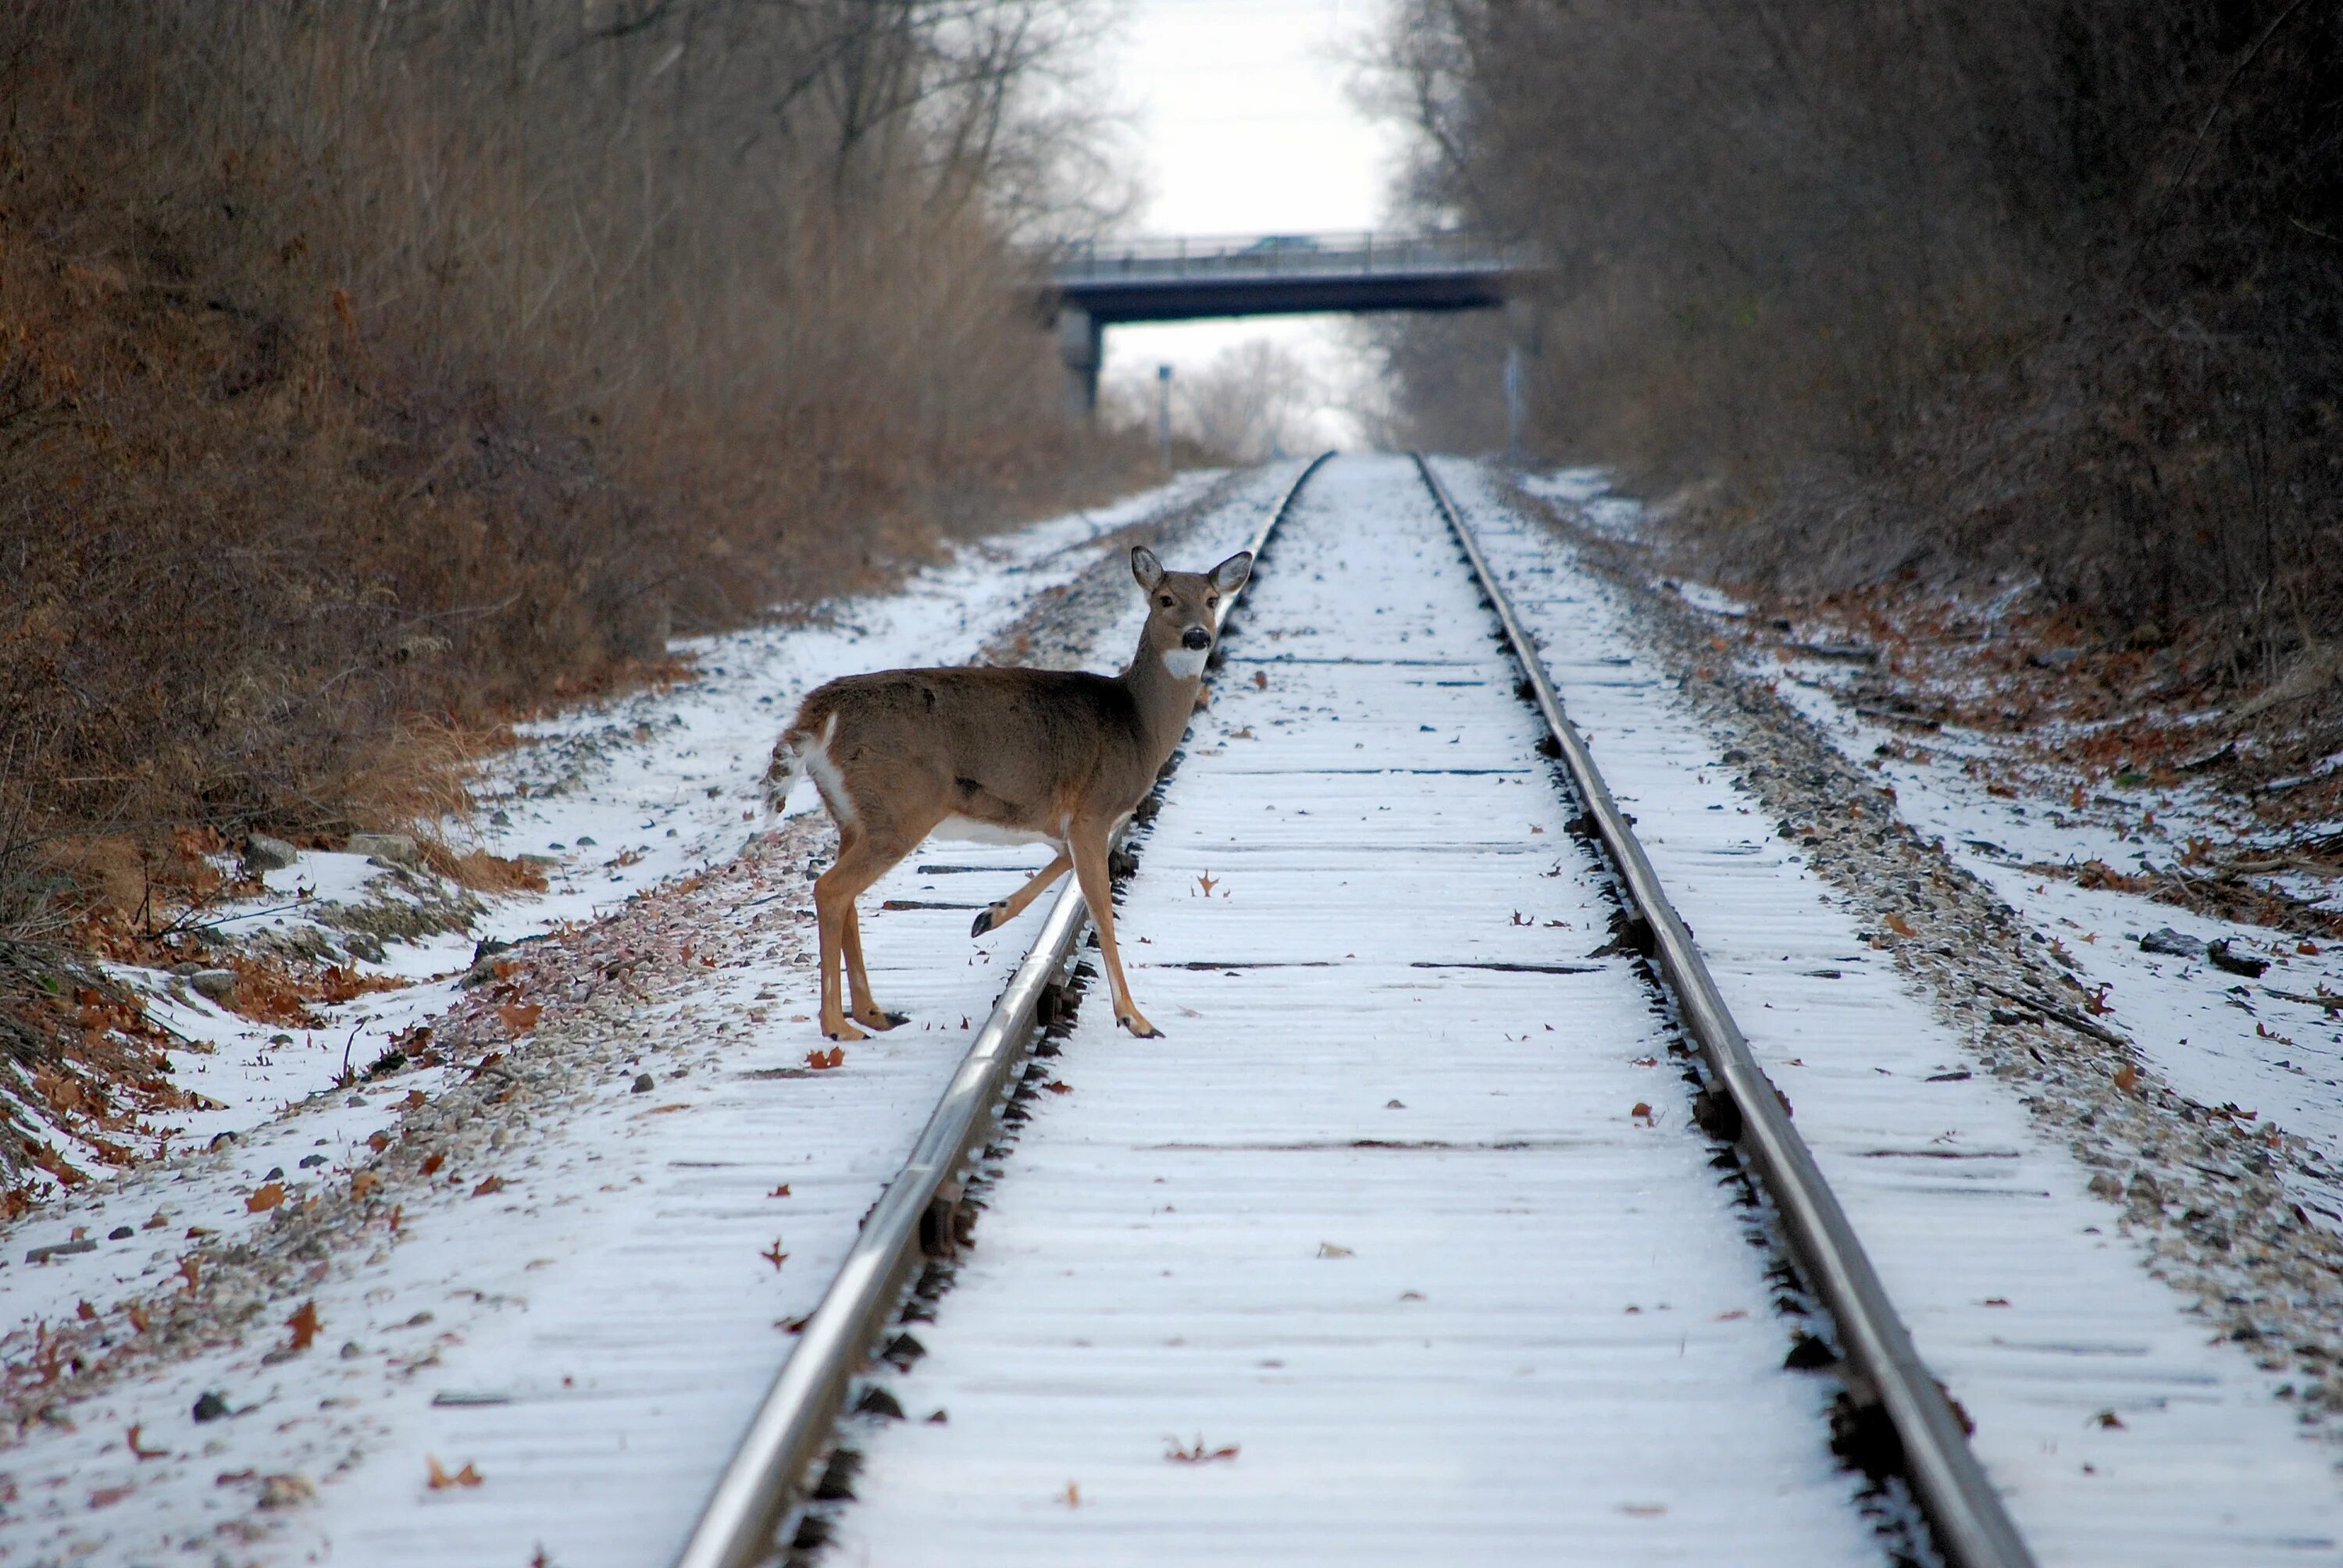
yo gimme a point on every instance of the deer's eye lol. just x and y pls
(1165, 602)
(1211, 599)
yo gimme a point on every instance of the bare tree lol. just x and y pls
(2042, 287)
(1253, 399)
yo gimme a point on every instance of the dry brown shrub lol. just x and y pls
(372, 374)
(2043, 294)
(480, 871)
(358, 390)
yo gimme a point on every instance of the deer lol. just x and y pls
(997, 755)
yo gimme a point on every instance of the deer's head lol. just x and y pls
(1184, 608)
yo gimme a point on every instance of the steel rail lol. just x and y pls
(792, 1428)
(1971, 1526)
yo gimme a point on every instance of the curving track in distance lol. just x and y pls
(1900, 1414)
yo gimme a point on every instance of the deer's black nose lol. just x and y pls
(1196, 639)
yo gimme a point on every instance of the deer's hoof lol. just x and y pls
(844, 1030)
(1139, 1026)
(882, 1019)
(986, 919)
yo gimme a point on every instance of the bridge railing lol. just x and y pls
(1357, 253)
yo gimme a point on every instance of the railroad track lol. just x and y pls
(1360, 668)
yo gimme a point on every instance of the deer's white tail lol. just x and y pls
(792, 754)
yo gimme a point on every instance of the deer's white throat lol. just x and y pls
(1185, 663)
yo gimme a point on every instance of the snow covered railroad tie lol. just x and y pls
(1390, 1250)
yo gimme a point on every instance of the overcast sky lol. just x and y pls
(1246, 125)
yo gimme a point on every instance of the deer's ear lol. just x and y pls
(1146, 567)
(1232, 573)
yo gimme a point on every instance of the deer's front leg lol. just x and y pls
(1089, 847)
(995, 916)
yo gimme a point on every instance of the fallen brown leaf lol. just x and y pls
(304, 1324)
(1900, 926)
(265, 1197)
(139, 1451)
(492, 1185)
(521, 1017)
(440, 1478)
(431, 1164)
(774, 1255)
(2127, 1078)
(365, 1182)
(1196, 1452)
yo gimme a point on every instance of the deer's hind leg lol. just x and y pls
(861, 860)
(867, 1010)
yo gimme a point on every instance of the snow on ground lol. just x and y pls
(640, 798)
(584, 1304)
(617, 797)
(1588, 493)
(2020, 1294)
(2217, 1036)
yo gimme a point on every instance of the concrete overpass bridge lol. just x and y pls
(1098, 285)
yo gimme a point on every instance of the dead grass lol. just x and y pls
(482, 872)
(370, 376)
(2080, 714)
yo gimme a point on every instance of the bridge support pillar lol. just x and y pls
(1081, 344)
(1523, 341)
